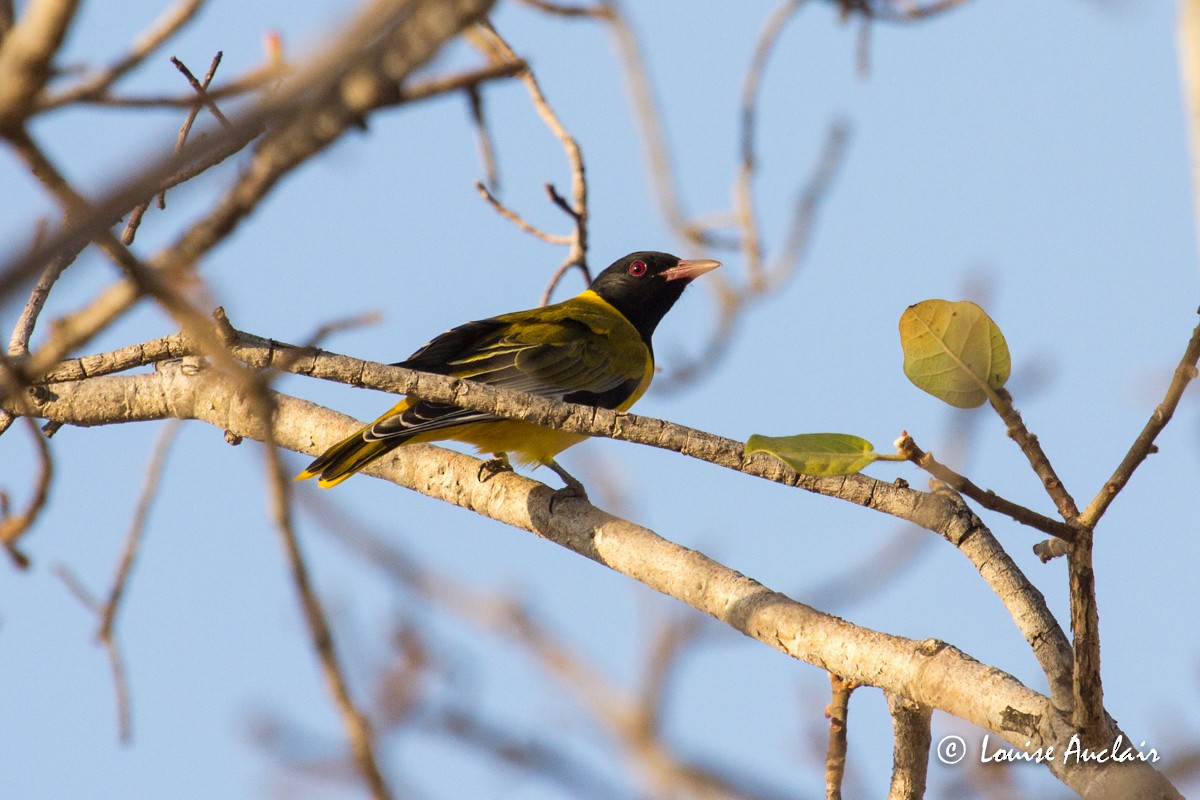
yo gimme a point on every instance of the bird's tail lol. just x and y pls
(346, 458)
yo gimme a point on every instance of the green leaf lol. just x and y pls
(817, 453)
(954, 351)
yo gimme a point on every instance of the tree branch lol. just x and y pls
(929, 672)
(1144, 444)
(910, 756)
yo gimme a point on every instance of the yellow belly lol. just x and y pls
(525, 443)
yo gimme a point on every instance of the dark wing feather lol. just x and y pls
(547, 355)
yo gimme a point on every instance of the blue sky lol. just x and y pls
(1037, 149)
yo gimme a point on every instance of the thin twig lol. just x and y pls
(601, 11)
(327, 329)
(257, 80)
(14, 526)
(835, 756)
(1144, 445)
(743, 202)
(358, 729)
(18, 344)
(170, 22)
(201, 90)
(577, 255)
(892, 11)
(646, 114)
(1001, 401)
(483, 135)
(517, 219)
(112, 649)
(566, 266)
(808, 202)
(666, 651)
(461, 81)
(488, 40)
(985, 497)
(137, 529)
(106, 633)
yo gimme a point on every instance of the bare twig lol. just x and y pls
(733, 301)
(106, 633)
(542, 754)
(835, 756)
(646, 114)
(1144, 445)
(358, 729)
(137, 529)
(14, 526)
(139, 211)
(808, 202)
(154, 283)
(1001, 401)
(462, 81)
(483, 135)
(666, 651)
(907, 11)
(18, 344)
(744, 194)
(985, 497)
(327, 329)
(308, 112)
(201, 89)
(600, 11)
(257, 80)
(517, 219)
(489, 41)
(170, 22)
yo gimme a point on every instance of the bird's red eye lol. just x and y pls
(637, 269)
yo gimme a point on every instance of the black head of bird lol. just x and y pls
(644, 285)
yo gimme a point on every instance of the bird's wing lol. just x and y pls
(547, 352)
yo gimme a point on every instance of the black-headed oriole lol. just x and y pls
(593, 349)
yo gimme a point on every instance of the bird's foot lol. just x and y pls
(573, 488)
(494, 466)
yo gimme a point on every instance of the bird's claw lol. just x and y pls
(493, 467)
(566, 493)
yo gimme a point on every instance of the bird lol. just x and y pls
(594, 349)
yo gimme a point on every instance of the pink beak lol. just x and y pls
(689, 269)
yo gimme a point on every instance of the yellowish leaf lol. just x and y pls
(817, 453)
(954, 351)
